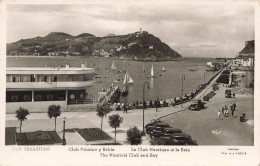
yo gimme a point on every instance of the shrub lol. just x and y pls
(134, 136)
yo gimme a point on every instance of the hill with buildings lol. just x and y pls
(139, 46)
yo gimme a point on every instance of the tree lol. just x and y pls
(115, 121)
(54, 111)
(103, 111)
(21, 114)
(134, 136)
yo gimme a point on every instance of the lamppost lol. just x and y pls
(183, 78)
(144, 101)
(204, 76)
(63, 138)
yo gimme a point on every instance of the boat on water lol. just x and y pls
(97, 81)
(113, 67)
(152, 72)
(98, 76)
(127, 81)
(163, 69)
(194, 69)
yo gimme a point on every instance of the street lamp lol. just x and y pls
(63, 138)
(183, 78)
(204, 76)
(143, 100)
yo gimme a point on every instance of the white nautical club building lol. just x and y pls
(39, 87)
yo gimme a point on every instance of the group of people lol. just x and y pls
(225, 110)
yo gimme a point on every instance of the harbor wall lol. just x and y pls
(34, 107)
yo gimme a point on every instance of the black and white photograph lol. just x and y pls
(109, 75)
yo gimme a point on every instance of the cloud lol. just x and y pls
(185, 27)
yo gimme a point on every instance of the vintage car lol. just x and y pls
(151, 126)
(169, 131)
(228, 93)
(157, 129)
(178, 139)
(196, 105)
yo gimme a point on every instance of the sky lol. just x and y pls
(193, 30)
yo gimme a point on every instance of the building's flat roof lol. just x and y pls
(49, 70)
(46, 68)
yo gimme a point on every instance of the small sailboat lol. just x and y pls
(163, 69)
(152, 73)
(113, 67)
(127, 81)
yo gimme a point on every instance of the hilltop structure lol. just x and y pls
(139, 45)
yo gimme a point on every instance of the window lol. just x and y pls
(38, 98)
(49, 97)
(14, 98)
(27, 98)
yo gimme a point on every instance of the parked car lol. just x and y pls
(196, 105)
(156, 134)
(151, 126)
(178, 139)
(157, 129)
(228, 93)
(169, 131)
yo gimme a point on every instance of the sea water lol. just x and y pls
(166, 84)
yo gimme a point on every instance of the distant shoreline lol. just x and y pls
(116, 58)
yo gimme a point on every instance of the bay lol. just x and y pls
(166, 84)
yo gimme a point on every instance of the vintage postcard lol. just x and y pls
(129, 83)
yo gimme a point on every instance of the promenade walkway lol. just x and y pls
(199, 124)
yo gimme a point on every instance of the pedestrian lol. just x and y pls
(180, 99)
(124, 107)
(234, 106)
(223, 109)
(137, 103)
(151, 103)
(170, 102)
(156, 105)
(226, 107)
(218, 114)
(226, 112)
(232, 112)
(231, 106)
(144, 105)
(233, 95)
